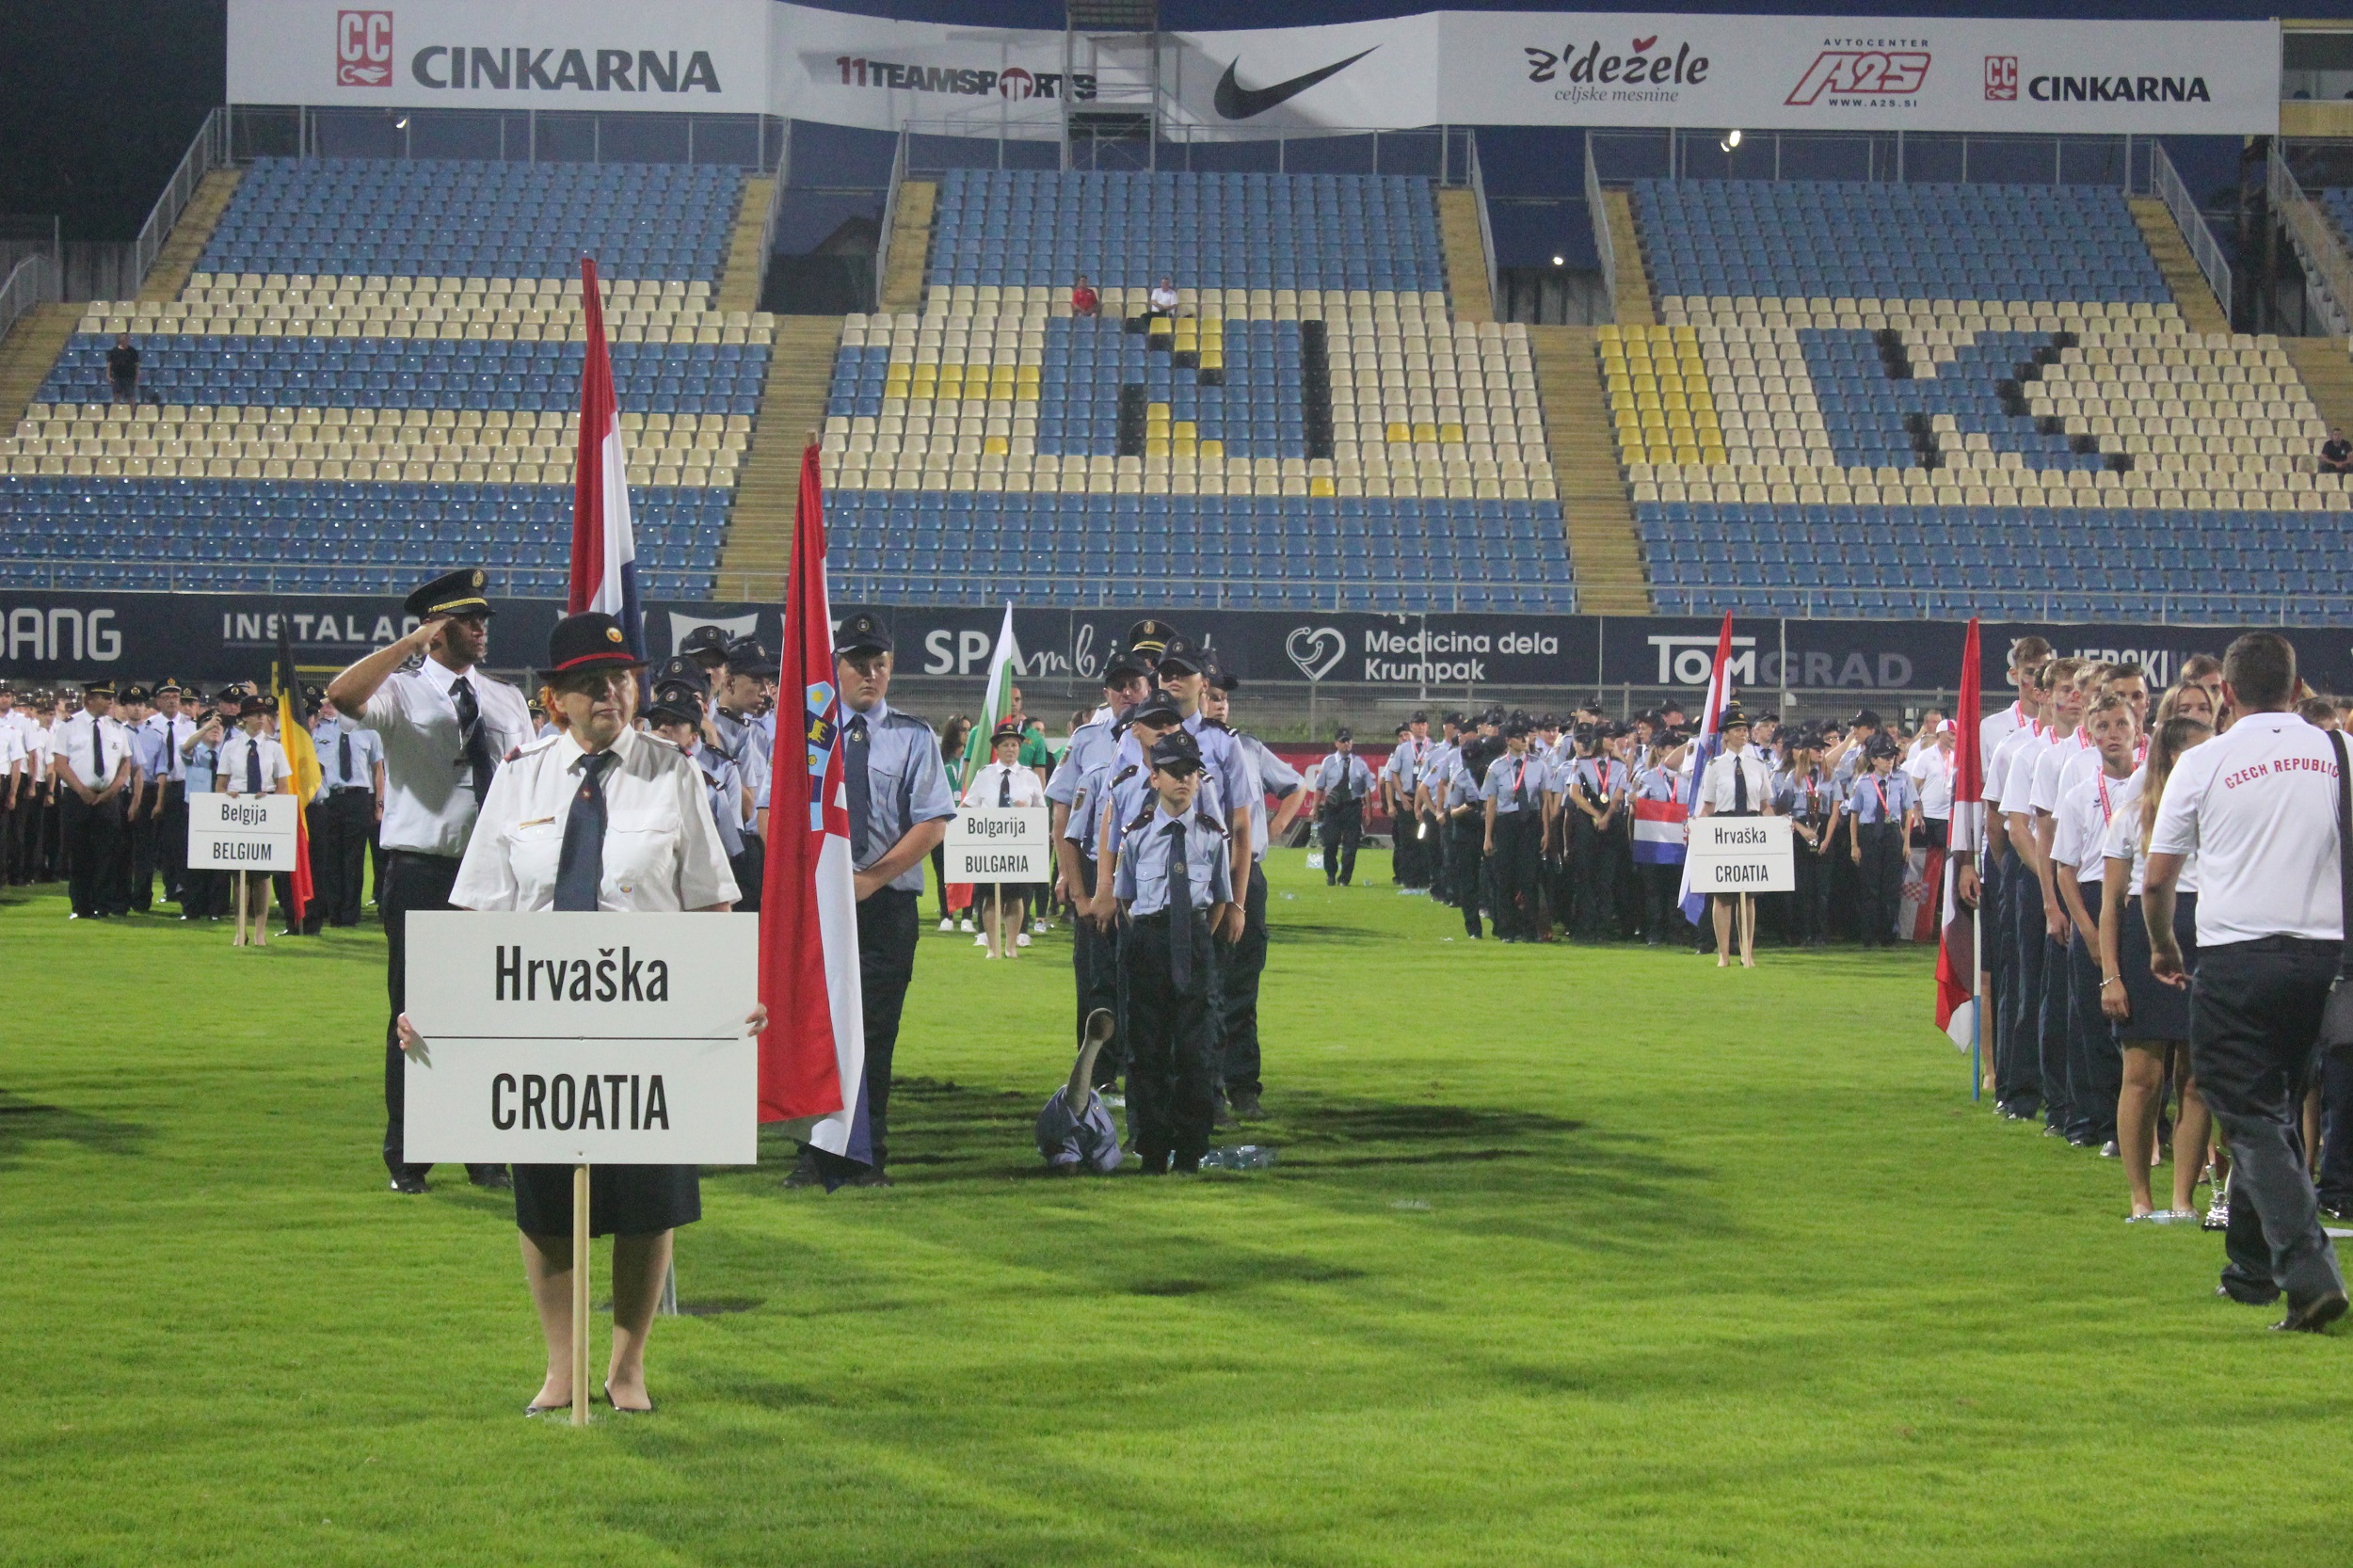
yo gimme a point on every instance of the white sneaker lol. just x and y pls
(980, 941)
(965, 924)
(946, 924)
(1022, 940)
(1039, 928)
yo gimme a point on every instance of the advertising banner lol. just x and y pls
(1462, 68)
(612, 1039)
(241, 833)
(999, 843)
(62, 636)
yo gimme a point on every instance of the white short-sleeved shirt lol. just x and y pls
(2258, 804)
(1717, 788)
(429, 803)
(275, 769)
(2123, 842)
(69, 739)
(662, 849)
(1998, 727)
(2083, 818)
(1934, 771)
(999, 778)
(2002, 762)
(2043, 793)
(12, 748)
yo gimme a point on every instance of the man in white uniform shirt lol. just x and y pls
(2258, 806)
(445, 726)
(89, 756)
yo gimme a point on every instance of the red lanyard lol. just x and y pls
(1880, 792)
(2108, 812)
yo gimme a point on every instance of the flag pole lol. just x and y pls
(1977, 994)
(580, 1295)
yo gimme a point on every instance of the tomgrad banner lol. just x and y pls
(1462, 68)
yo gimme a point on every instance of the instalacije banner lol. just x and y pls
(1464, 68)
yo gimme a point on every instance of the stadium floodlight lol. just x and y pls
(1731, 140)
(1559, 261)
(401, 124)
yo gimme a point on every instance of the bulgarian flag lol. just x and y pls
(997, 706)
(604, 547)
(812, 1059)
(1957, 953)
(302, 759)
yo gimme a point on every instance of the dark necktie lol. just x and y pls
(1739, 787)
(475, 744)
(343, 756)
(860, 787)
(253, 765)
(97, 755)
(1180, 909)
(580, 868)
(1004, 789)
(1340, 795)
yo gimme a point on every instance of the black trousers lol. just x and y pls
(1095, 978)
(750, 867)
(1519, 847)
(2018, 1083)
(1592, 869)
(2254, 1016)
(1809, 905)
(142, 845)
(1441, 859)
(887, 924)
(1241, 967)
(1882, 876)
(1341, 829)
(1171, 1036)
(1465, 862)
(1661, 921)
(411, 882)
(340, 831)
(2095, 1062)
(93, 838)
(171, 842)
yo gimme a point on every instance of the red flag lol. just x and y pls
(812, 1059)
(1957, 955)
(604, 547)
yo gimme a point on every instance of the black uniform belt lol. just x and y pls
(419, 854)
(1159, 916)
(351, 789)
(2274, 944)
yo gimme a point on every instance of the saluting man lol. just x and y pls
(445, 726)
(90, 757)
(1340, 781)
(899, 809)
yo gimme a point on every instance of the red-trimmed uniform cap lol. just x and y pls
(590, 640)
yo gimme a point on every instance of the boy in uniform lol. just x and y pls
(1175, 885)
(1513, 790)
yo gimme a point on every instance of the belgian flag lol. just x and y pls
(302, 759)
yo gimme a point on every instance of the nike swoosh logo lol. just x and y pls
(1236, 101)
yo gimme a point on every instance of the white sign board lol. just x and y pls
(1741, 854)
(611, 1038)
(241, 833)
(999, 843)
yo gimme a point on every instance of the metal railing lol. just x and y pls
(32, 281)
(248, 576)
(1486, 233)
(1896, 156)
(1601, 242)
(2159, 609)
(2166, 185)
(1442, 153)
(889, 214)
(207, 151)
(2315, 241)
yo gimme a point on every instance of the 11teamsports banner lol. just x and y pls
(214, 638)
(1458, 68)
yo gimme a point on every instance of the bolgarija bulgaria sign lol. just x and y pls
(610, 1038)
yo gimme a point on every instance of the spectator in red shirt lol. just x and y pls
(1084, 301)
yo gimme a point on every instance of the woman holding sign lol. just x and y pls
(252, 763)
(1737, 784)
(1004, 782)
(598, 815)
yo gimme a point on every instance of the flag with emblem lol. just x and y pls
(302, 761)
(812, 1059)
(1957, 954)
(604, 549)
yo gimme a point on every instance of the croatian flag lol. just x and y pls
(1957, 954)
(1704, 751)
(1659, 831)
(604, 550)
(812, 1059)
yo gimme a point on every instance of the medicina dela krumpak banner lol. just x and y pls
(1464, 68)
(215, 638)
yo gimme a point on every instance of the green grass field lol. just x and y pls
(1572, 1256)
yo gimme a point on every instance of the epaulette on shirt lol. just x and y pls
(1126, 773)
(904, 720)
(533, 747)
(1211, 822)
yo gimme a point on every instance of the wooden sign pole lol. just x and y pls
(239, 940)
(580, 1295)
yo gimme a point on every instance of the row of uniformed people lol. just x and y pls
(2164, 905)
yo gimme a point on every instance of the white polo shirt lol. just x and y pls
(2258, 806)
(2123, 842)
(2083, 818)
(1932, 770)
(662, 849)
(2045, 791)
(2015, 771)
(1998, 727)
(429, 803)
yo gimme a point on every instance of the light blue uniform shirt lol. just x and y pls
(1268, 775)
(1147, 866)
(1409, 762)
(1873, 799)
(157, 746)
(367, 749)
(743, 741)
(1091, 749)
(1513, 782)
(906, 785)
(723, 782)
(1328, 773)
(203, 760)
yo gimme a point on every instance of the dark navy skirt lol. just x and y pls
(623, 1200)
